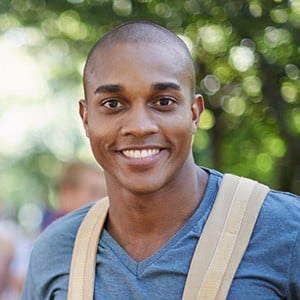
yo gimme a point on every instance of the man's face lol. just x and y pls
(139, 116)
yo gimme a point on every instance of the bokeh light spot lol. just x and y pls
(210, 84)
(234, 105)
(122, 7)
(264, 162)
(241, 58)
(207, 120)
(289, 92)
(212, 38)
(30, 217)
(292, 71)
(252, 85)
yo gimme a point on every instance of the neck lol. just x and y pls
(143, 223)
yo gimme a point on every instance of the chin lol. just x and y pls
(143, 188)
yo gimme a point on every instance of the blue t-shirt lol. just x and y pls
(270, 268)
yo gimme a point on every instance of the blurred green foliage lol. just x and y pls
(247, 57)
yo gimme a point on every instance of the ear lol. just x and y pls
(83, 111)
(197, 109)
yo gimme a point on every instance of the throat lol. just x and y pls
(140, 249)
(142, 226)
(142, 239)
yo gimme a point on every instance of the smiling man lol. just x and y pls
(140, 113)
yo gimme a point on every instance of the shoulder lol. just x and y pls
(280, 219)
(276, 233)
(283, 208)
(280, 210)
(51, 255)
(278, 205)
(59, 236)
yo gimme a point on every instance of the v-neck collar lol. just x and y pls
(137, 268)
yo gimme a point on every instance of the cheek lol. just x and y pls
(99, 143)
(182, 127)
(101, 131)
(180, 137)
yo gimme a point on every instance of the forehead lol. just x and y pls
(151, 61)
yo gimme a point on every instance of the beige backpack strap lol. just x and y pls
(225, 238)
(82, 273)
(218, 253)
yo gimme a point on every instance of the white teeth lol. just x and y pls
(140, 153)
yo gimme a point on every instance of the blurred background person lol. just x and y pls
(14, 256)
(78, 184)
(6, 257)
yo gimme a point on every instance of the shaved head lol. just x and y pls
(142, 32)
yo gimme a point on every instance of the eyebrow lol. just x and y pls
(108, 88)
(162, 86)
(115, 88)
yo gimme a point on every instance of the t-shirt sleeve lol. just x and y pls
(48, 272)
(294, 288)
(29, 292)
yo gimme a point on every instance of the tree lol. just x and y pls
(247, 60)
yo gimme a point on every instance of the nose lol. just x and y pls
(139, 121)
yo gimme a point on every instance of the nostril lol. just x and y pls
(139, 126)
(139, 130)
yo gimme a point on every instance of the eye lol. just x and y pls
(164, 101)
(112, 103)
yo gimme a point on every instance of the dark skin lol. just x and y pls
(143, 228)
(140, 116)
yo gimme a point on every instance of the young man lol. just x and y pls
(140, 112)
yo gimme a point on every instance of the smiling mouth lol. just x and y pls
(144, 153)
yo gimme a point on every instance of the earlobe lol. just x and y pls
(197, 109)
(84, 115)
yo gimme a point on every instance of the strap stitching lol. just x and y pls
(221, 239)
(86, 256)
